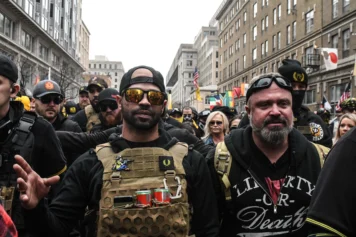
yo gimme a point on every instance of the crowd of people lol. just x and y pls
(119, 163)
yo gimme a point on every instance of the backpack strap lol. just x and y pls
(23, 128)
(222, 162)
(322, 151)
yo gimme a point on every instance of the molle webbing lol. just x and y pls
(144, 174)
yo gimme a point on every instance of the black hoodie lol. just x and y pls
(252, 211)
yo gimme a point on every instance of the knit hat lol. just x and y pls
(127, 79)
(293, 70)
(8, 68)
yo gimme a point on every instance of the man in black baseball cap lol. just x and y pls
(110, 112)
(89, 116)
(307, 122)
(83, 98)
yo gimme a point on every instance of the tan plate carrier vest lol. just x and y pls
(92, 116)
(143, 174)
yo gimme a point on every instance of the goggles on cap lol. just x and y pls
(135, 95)
(112, 105)
(57, 99)
(265, 82)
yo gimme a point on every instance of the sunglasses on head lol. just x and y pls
(112, 105)
(266, 82)
(48, 98)
(136, 95)
(215, 122)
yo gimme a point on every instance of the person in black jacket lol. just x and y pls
(274, 168)
(48, 98)
(332, 208)
(142, 102)
(26, 134)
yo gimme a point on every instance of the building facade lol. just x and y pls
(205, 93)
(83, 45)
(255, 36)
(39, 35)
(113, 69)
(180, 75)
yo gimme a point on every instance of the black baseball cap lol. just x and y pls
(83, 89)
(127, 79)
(46, 87)
(107, 94)
(8, 68)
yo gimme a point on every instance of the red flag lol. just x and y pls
(237, 92)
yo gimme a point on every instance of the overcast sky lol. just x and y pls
(146, 32)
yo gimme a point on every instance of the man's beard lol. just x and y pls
(110, 121)
(275, 135)
(141, 124)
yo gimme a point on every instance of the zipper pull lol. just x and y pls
(275, 209)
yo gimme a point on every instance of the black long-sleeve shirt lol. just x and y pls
(81, 187)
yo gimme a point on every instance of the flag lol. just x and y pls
(244, 88)
(326, 103)
(196, 77)
(218, 99)
(37, 80)
(169, 102)
(237, 92)
(330, 58)
(344, 96)
(212, 102)
(229, 99)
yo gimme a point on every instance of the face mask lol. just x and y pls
(298, 96)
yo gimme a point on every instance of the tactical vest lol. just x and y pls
(19, 141)
(147, 169)
(92, 116)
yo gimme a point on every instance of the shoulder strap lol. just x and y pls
(322, 151)
(23, 128)
(222, 161)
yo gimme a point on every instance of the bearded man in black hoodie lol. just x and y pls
(269, 169)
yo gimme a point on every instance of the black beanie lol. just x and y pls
(292, 69)
(127, 81)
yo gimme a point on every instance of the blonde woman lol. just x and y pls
(347, 121)
(215, 128)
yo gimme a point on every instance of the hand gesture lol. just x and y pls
(31, 186)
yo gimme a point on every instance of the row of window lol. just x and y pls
(104, 66)
(335, 7)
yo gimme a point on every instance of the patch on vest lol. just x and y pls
(166, 163)
(121, 164)
(316, 131)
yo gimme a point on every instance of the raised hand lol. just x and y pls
(31, 186)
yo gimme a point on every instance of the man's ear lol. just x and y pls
(118, 99)
(164, 106)
(247, 110)
(14, 90)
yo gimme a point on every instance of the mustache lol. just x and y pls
(275, 120)
(143, 111)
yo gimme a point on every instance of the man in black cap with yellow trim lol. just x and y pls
(307, 122)
(89, 116)
(28, 135)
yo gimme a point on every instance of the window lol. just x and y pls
(217, 54)
(309, 21)
(294, 35)
(115, 74)
(263, 25)
(237, 25)
(288, 7)
(94, 65)
(244, 62)
(266, 2)
(335, 8)
(279, 12)
(346, 6)
(244, 40)
(262, 49)
(263, 3)
(254, 55)
(189, 63)
(279, 40)
(43, 52)
(346, 43)
(89, 65)
(254, 33)
(28, 7)
(2, 22)
(288, 35)
(26, 40)
(310, 97)
(7, 27)
(274, 41)
(237, 4)
(55, 60)
(216, 64)
(237, 45)
(294, 56)
(245, 17)
(255, 10)
(115, 80)
(266, 47)
(336, 91)
(99, 66)
(274, 16)
(273, 67)
(266, 20)
(334, 41)
(236, 66)
(221, 43)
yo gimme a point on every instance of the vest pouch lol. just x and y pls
(160, 221)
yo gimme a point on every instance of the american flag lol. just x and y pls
(344, 96)
(196, 77)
